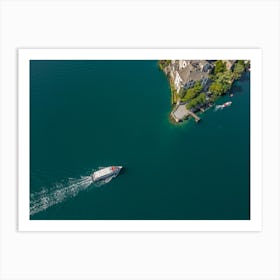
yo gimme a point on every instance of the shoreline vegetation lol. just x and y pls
(195, 85)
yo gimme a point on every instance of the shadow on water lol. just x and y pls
(123, 170)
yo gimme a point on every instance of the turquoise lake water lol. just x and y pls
(90, 114)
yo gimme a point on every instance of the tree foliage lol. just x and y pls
(190, 94)
(198, 86)
(238, 69)
(199, 100)
(223, 77)
(193, 92)
(220, 66)
(217, 88)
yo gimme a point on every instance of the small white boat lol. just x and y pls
(111, 171)
(226, 104)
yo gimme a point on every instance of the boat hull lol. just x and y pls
(104, 173)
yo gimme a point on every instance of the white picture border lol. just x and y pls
(255, 222)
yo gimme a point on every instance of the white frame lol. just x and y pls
(255, 222)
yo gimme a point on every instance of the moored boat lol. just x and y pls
(226, 104)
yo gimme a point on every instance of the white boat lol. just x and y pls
(111, 171)
(226, 104)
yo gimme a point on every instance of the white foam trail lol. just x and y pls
(60, 192)
(219, 107)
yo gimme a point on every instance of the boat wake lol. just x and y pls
(103, 182)
(219, 107)
(60, 192)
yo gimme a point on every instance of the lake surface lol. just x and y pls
(90, 114)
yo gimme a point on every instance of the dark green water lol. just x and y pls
(89, 114)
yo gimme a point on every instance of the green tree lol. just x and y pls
(201, 98)
(226, 79)
(220, 66)
(238, 69)
(192, 104)
(182, 93)
(217, 89)
(193, 92)
(190, 94)
(222, 82)
(227, 76)
(198, 86)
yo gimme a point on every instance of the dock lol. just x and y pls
(196, 117)
(180, 113)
